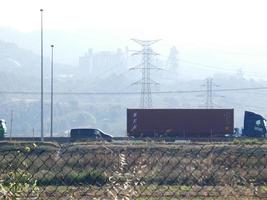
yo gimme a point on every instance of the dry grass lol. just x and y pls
(145, 170)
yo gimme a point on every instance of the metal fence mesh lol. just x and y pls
(133, 171)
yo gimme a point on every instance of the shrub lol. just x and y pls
(92, 177)
(19, 183)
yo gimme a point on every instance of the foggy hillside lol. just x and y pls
(95, 91)
(69, 44)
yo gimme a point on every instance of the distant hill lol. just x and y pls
(20, 71)
(69, 45)
(19, 64)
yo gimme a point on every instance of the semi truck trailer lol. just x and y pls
(190, 123)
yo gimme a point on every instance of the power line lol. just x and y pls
(242, 106)
(219, 68)
(132, 93)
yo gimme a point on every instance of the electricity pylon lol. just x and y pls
(146, 66)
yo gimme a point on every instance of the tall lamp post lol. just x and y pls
(52, 88)
(42, 80)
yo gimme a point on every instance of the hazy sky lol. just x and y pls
(213, 22)
(233, 31)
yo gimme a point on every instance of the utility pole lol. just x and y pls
(52, 88)
(33, 137)
(11, 125)
(146, 66)
(42, 80)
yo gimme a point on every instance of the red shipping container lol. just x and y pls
(186, 123)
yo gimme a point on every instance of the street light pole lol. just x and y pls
(11, 125)
(52, 88)
(42, 80)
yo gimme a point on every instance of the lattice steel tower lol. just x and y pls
(209, 97)
(146, 66)
(209, 94)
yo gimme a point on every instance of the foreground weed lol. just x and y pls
(19, 184)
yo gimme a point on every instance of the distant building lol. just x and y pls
(86, 61)
(103, 62)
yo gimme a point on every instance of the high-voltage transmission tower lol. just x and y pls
(209, 96)
(209, 104)
(146, 66)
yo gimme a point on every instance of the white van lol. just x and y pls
(3, 128)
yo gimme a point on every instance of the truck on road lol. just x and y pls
(190, 123)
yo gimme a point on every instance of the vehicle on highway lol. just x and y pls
(3, 128)
(89, 134)
(191, 123)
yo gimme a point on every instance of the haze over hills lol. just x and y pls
(105, 71)
(69, 45)
(196, 61)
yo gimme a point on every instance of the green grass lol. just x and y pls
(92, 177)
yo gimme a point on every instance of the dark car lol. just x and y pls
(89, 134)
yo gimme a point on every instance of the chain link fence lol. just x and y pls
(233, 170)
